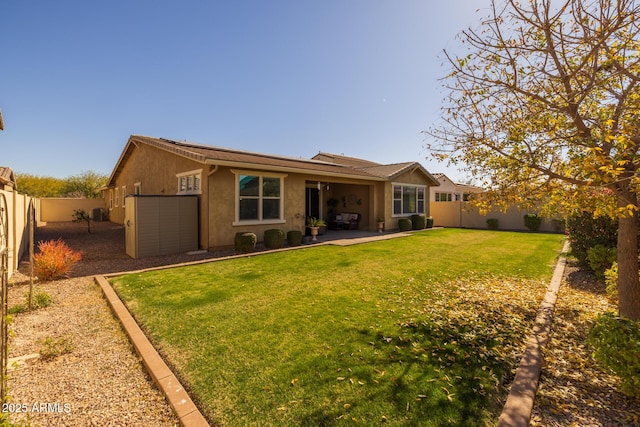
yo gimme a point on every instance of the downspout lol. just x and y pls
(211, 172)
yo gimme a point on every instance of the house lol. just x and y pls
(450, 191)
(241, 191)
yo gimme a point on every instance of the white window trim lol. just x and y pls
(237, 221)
(197, 176)
(424, 199)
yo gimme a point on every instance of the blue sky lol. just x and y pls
(352, 77)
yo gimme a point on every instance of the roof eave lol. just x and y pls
(288, 169)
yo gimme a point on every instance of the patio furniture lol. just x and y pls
(345, 221)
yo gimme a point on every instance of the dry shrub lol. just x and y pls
(54, 259)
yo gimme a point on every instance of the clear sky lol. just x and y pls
(288, 77)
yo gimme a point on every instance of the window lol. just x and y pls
(117, 196)
(137, 189)
(189, 182)
(110, 199)
(408, 199)
(124, 194)
(443, 197)
(258, 197)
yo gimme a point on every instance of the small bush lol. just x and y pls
(16, 309)
(54, 260)
(601, 259)
(616, 344)
(532, 222)
(418, 222)
(245, 242)
(429, 223)
(611, 280)
(294, 237)
(493, 223)
(274, 238)
(53, 347)
(404, 224)
(585, 232)
(40, 299)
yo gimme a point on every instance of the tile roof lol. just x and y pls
(325, 164)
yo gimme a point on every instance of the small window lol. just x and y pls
(137, 188)
(124, 195)
(117, 196)
(190, 182)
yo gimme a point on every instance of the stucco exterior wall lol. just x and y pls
(458, 214)
(411, 178)
(359, 197)
(17, 216)
(156, 171)
(61, 209)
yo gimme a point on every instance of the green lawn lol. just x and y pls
(423, 330)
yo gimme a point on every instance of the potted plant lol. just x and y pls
(380, 224)
(314, 225)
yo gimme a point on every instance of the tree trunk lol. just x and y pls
(628, 281)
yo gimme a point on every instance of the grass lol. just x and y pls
(424, 330)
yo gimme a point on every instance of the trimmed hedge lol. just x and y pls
(418, 222)
(294, 237)
(493, 223)
(532, 222)
(274, 238)
(586, 232)
(404, 224)
(245, 242)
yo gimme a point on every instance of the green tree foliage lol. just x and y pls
(543, 107)
(39, 186)
(83, 185)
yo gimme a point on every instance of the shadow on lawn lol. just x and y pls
(437, 371)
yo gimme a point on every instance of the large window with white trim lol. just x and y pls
(408, 199)
(259, 197)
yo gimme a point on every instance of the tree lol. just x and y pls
(39, 186)
(545, 107)
(82, 185)
(85, 185)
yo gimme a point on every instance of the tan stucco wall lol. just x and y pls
(61, 209)
(416, 178)
(457, 214)
(17, 216)
(156, 170)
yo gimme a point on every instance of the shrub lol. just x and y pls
(429, 223)
(586, 232)
(294, 237)
(493, 223)
(245, 242)
(40, 299)
(54, 260)
(418, 222)
(611, 280)
(404, 224)
(532, 222)
(616, 344)
(601, 259)
(274, 238)
(52, 347)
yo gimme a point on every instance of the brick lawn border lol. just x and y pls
(519, 404)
